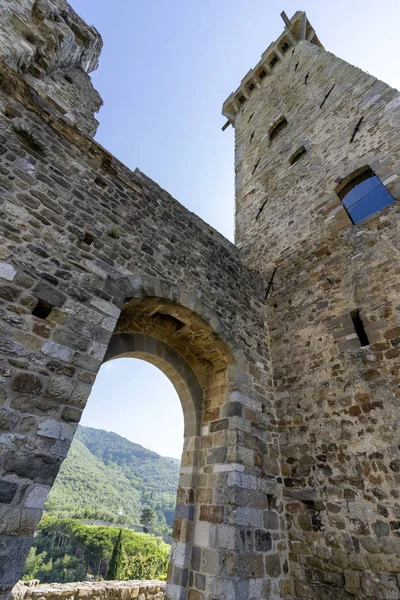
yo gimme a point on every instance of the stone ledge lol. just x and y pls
(106, 590)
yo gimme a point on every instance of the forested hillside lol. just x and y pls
(105, 476)
(66, 550)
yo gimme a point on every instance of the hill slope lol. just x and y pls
(105, 475)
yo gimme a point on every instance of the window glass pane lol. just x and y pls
(361, 190)
(376, 200)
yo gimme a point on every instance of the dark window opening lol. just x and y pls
(298, 154)
(242, 99)
(88, 238)
(285, 47)
(262, 74)
(273, 61)
(101, 183)
(364, 195)
(251, 86)
(359, 328)
(277, 128)
(42, 309)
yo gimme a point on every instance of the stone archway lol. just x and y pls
(228, 539)
(189, 352)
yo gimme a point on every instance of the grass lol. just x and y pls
(113, 233)
(29, 138)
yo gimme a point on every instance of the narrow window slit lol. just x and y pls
(297, 155)
(296, 66)
(327, 96)
(359, 328)
(261, 208)
(250, 117)
(42, 309)
(255, 166)
(356, 128)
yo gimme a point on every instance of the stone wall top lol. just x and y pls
(107, 590)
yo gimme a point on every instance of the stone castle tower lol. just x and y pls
(284, 349)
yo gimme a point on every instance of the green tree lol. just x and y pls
(115, 569)
(33, 564)
(148, 515)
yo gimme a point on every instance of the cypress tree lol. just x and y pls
(114, 572)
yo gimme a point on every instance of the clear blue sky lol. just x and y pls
(166, 68)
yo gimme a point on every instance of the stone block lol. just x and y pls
(27, 383)
(210, 561)
(7, 271)
(56, 351)
(48, 293)
(273, 565)
(212, 514)
(263, 541)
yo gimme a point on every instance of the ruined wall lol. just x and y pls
(337, 402)
(49, 45)
(92, 252)
(108, 590)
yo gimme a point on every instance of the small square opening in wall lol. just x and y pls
(242, 99)
(101, 183)
(42, 309)
(285, 47)
(88, 238)
(262, 74)
(273, 61)
(359, 328)
(297, 155)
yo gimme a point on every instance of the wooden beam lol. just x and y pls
(285, 19)
(226, 125)
(303, 27)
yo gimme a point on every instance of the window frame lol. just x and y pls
(354, 180)
(277, 127)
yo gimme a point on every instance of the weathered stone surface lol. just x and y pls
(7, 271)
(54, 50)
(290, 466)
(27, 383)
(111, 590)
(335, 398)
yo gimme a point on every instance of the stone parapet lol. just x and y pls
(107, 590)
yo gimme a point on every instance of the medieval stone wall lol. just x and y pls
(337, 402)
(92, 253)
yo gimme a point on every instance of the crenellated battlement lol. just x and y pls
(297, 28)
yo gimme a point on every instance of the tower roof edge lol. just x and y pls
(297, 29)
